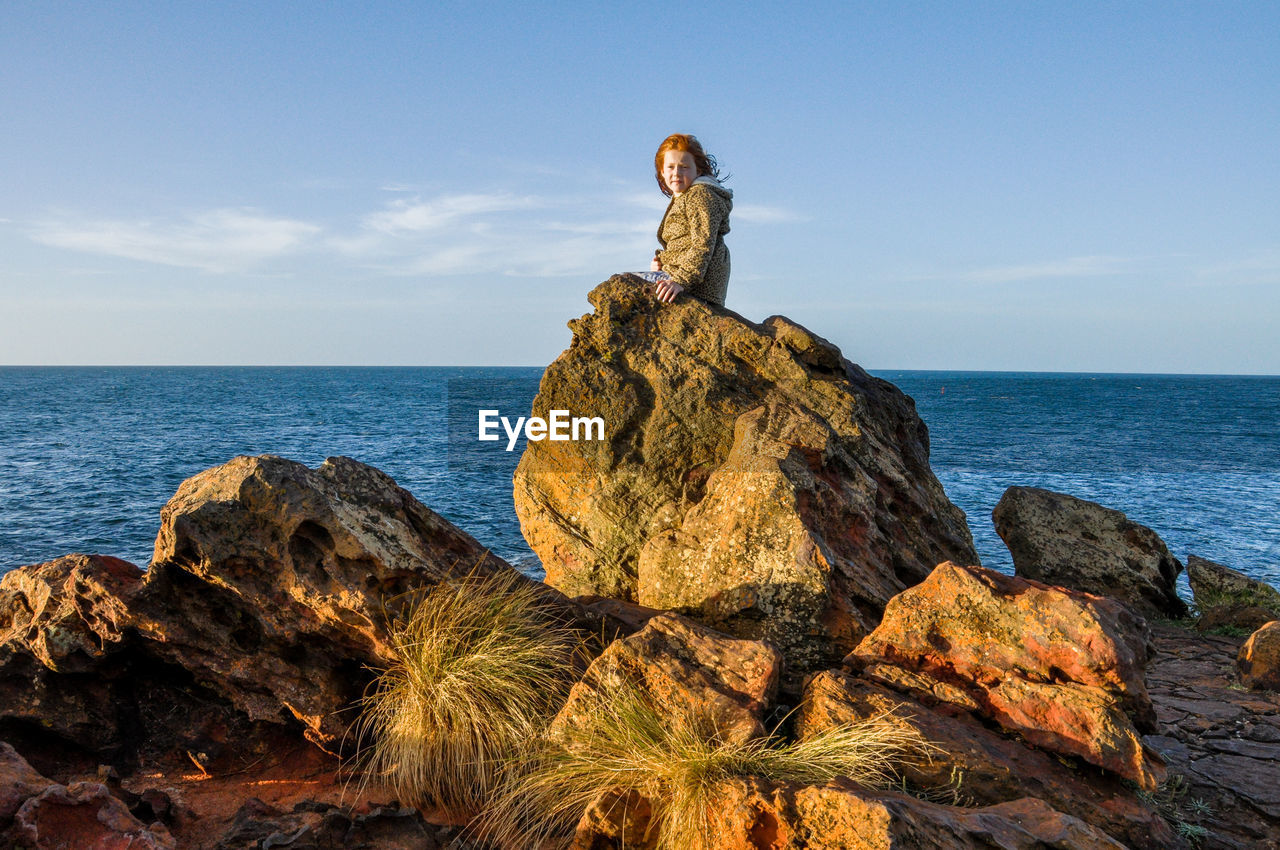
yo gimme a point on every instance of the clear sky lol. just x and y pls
(1022, 186)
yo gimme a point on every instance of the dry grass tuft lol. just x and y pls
(480, 667)
(677, 763)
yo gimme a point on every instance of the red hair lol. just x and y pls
(703, 161)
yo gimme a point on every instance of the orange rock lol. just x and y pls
(85, 815)
(1259, 658)
(680, 665)
(1062, 668)
(976, 765)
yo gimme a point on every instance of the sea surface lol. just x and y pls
(89, 455)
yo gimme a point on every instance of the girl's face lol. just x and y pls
(678, 170)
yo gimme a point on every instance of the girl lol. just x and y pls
(693, 257)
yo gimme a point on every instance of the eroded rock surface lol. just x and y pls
(1059, 539)
(1062, 668)
(1229, 598)
(682, 669)
(974, 765)
(751, 476)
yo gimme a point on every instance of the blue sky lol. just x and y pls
(1021, 186)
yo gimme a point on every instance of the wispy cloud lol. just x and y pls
(220, 240)
(417, 216)
(1073, 267)
(762, 214)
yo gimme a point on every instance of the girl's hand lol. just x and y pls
(655, 265)
(667, 290)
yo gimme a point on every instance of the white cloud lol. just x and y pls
(417, 216)
(220, 240)
(1074, 267)
(762, 214)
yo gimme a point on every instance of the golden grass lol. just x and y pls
(677, 763)
(480, 667)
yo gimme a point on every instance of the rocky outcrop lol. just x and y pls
(973, 765)
(750, 476)
(266, 603)
(19, 782)
(1061, 668)
(752, 814)
(1070, 542)
(680, 667)
(1229, 598)
(1259, 658)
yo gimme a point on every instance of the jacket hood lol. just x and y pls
(715, 184)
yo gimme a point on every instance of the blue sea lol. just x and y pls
(89, 455)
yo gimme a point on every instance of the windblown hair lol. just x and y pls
(703, 161)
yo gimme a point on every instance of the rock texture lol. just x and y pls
(755, 814)
(84, 815)
(750, 476)
(679, 665)
(19, 782)
(1062, 540)
(1259, 658)
(974, 765)
(266, 603)
(1061, 668)
(1228, 597)
(1221, 743)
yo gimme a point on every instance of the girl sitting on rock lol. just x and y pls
(693, 257)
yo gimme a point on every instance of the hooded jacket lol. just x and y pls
(692, 238)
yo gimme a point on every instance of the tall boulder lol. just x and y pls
(750, 476)
(1063, 669)
(1059, 539)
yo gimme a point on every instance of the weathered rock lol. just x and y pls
(19, 782)
(977, 766)
(1234, 617)
(322, 826)
(681, 666)
(1063, 669)
(1259, 658)
(750, 476)
(85, 815)
(274, 582)
(61, 634)
(1062, 540)
(1227, 597)
(751, 814)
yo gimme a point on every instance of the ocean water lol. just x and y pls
(89, 455)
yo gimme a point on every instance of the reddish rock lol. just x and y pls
(85, 816)
(680, 665)
(1259, 658)
(18, 783)
(274, 582)
(977, 766)
(1063, 669)
(1061, 540)
(62, 629)
(753, 814)
(750, 477)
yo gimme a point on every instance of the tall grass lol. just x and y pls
(677, 763)
(480, 666)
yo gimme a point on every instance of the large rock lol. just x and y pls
(1062, 540)
(751, 814)
(1063, 669)
(62, 626)
(19, 782)
(750, 476)
(276, 582)
(266, 605)
(1259, 658)
(974, 765)
(1228, 597)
